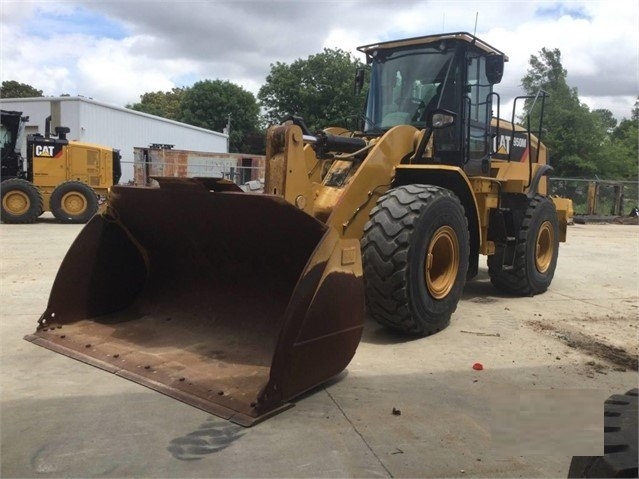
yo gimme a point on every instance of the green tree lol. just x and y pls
(574, 135)
(14, 89)
(622, 149)
(161, 103)
(606, 119)
(209, 103)
(320, 89)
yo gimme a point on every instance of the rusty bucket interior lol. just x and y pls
(234, 303)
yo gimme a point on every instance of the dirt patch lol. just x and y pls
(619, 356)
(627, 220)
(605, 220)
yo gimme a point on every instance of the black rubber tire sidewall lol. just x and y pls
(394, 246)
(524, 278)
(73, 186)
(33, 195)
(443, 211)
(539, 281)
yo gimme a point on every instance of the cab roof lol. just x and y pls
(461, 36)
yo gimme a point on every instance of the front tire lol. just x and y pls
(536, 252)
(21, 201)
(415, 253)
(620, 441)
(73, 202)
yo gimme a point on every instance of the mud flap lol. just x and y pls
(234, 303)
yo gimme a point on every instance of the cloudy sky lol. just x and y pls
(115, 50)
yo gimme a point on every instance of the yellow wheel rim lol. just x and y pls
(74, 203)
(16, 202)
(442, 262)
(544, 247)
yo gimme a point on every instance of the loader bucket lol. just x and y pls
(232, 302)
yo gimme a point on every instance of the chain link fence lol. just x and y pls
(590, 197)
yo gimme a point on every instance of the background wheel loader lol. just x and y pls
(237, 303)
(61, 176)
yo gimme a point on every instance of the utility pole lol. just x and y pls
(227, 131)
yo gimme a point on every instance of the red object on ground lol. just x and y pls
(478, 366)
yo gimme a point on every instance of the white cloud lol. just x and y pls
(15, 11)
(112, 72)
(345, 40)
(157, 45)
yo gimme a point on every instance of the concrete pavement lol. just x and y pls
(536, 403)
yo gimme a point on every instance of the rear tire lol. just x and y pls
(415, 253)
(620, 441)
(73, 202)
(535, 254)
(21, 201)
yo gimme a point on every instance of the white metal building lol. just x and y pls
(113, 126)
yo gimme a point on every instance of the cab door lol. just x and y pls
(478, 109)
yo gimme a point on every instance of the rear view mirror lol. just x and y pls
(494, 68)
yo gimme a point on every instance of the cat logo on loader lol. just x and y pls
(43, 150)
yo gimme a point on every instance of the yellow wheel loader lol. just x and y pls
(62, 176)
(237, 303)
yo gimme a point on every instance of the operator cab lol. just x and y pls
(11, 136)
(410, 79)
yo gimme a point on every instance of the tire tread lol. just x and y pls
(516, 280)
(385, 249)
(68, 186)
(35, 197)
(620, 441)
